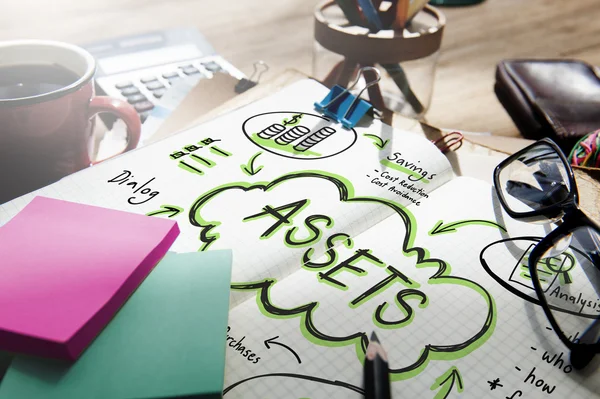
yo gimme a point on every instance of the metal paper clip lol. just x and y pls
(450, 142)
(344, 107)
(245, 84)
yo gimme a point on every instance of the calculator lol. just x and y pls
(140, 68)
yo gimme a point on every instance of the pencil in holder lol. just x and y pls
(406, 58)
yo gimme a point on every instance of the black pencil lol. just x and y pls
(377, 377)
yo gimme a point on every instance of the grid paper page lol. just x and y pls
(450, 329)
(265, 180)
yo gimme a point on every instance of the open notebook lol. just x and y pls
(336, 233)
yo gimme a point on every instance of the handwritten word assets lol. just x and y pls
(338, 274)
(143, 192)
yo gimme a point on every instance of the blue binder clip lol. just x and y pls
(342, 106)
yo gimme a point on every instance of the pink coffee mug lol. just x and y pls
(47, 109)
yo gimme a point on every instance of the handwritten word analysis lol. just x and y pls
(577, 300)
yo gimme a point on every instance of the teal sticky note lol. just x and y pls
(167, 341)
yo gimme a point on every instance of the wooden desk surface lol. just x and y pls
(280, 33)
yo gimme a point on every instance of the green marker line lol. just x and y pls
(441, 228)
(446, 382)
(441, 274)
(377, 141)
(285, 148)
(248, 168)
(403, 169)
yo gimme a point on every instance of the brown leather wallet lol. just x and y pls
(559, 99)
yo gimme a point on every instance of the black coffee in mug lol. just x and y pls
(19, 81)
(47, 110)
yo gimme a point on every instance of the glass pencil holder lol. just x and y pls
(406, 59)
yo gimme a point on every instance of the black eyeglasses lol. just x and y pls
(537, 184)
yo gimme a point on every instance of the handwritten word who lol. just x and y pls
(196, 162)
(140, 189)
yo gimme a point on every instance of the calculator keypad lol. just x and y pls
(143, 106)
(148, 79)
(123, 85)
(136, 98)
(212, 66)
(190, 70)
(130, 91)
(159, 93)
(144, 91)
(155, 85)
(170, 75)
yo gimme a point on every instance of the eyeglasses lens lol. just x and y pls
(536, 180)
(570, 281)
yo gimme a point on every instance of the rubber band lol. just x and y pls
(587, 151)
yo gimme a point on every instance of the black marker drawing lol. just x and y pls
(273, 342)
(169, 210)
(249, 168)
(141, 193)
(320, 384)
(439, 273)
(377, 141)
(446, 382)
(515, 277)
(298, 135)
(292, 135)
(441, 228)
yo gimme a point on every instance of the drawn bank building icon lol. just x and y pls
(298, 135)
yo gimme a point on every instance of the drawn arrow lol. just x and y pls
(440, 228)
(445, 383)
(377, 141)
(166, 209)
(249, 168)
(272, 341)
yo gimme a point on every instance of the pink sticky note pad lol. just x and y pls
(67, 268)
